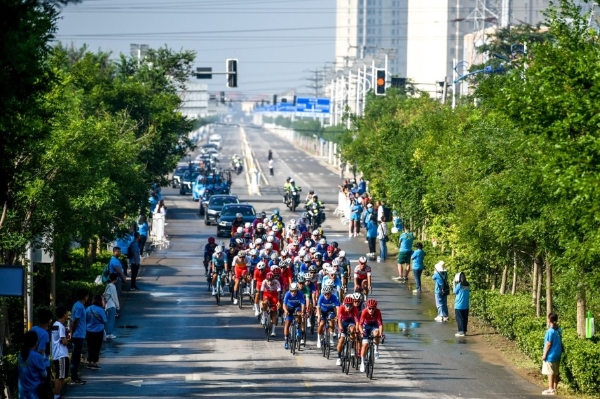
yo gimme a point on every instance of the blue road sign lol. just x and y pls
(313, 105)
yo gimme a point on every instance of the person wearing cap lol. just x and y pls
(440, 276)
(397, 221)
(405, 244)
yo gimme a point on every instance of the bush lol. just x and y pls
(580, 366)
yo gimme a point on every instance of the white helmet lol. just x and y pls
(326, 265)
(313, 250)
(315, 233)
(218, 249)
(259, 225)
(329, 283)
(261, 265)
(274, 256)
(342, 254)
(275, 228)
(322, 241)
(242, 253)
(362, 259)
(268, 245)
(253, 252)
(270, 239)
(292, 221)
(335, 263)
(258, 241)
(293, 287)
(240, 230)
(308, 244)
(266, 220)
(327, 289)
(357, 296)
(251, 245)
(293, 226)
(248, 225)
(283, 252)
(302, 252)
(272, 232)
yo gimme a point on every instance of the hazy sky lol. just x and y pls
(276, 41)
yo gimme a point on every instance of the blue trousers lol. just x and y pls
(441, 302)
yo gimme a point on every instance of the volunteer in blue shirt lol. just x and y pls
(78, 331)
(327, 309)
(552, 353)
(461, 303)
(356, 210)
(440, 277)
(418, 266)
(96, 320)
(293, 305)
(405, 244)
(32, 369)
(115, 266)
(371, 224)
(44, 318)
(143, 229)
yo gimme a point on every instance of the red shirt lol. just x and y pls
(348, 315)
(259, 276)
(367, 318)
(286, 276)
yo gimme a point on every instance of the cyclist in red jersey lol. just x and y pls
(260, 274)
(240, 265)
(370, 322)
(269, 296)
(347, 320)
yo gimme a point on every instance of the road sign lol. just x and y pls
(203, 73)
(313, 105)
(286, 107)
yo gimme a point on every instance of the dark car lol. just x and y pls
(211, 208)
(228, 214)
(210, 145)
(177, 173)
(187, 180)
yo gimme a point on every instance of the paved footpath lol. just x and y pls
(173, 341)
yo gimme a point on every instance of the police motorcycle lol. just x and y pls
(315, 213)
(237, 164)
(292, 195)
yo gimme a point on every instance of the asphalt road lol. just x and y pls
(173, 341)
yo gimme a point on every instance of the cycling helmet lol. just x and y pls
(279, 219)
(291, 180)
(362, 259)
(239, 215)
(284, 263)
(311, 192)
(315, 233)
(306, 258)
(253, 252)
(301, 253)
(334, 244)
(335, 263)
(276, 211)
(274, 256)
(330, 248)
(239, 230)
(308, 244)
(328, 289)
(218, 249)
(371, 303)
(268, 245)
(342, 254)
(301, 278)
(221, 243)
(313, 250)
(295, 242)
(357, 296)
(348, 300)
(293, 287)
(259, 225)
(258, 241)
(276, 270)
(320, 230)
(318, 256)
(283, 252)
(261, 265)
(326, 265)
(270, 239)
(263, 214)
(239, 241)
(329, 283)
(232, 245)
(270, 276)
(242, 253)
(211, 240)
(312, 269)
(305, 215)
(307, 276)
(247, 225)
(275, 228)
(292, 222)
(251, 245)
(293, 227)
(270, 224)
(247, 235)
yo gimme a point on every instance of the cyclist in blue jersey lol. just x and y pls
(293, 306)
(330, 277)
(218, 265)
(327, 309)
(254, 259)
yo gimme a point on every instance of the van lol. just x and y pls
(215, 139)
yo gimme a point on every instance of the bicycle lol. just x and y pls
(243, 285)
(266, 320)
(219, 287)
(370, 358)
(347, 355)
(327, 338)
(294, 341)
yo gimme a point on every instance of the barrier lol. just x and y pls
(343, 208)
(157, 234)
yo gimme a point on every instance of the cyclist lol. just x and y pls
(218, 266)
(309, 290)
(362, 276)
(330, 254)
(260, 274)
(370, 323)
(327, 309)
(347, 320)
(322, 247)
(254, 259)
(344, 267)
(209, 250)
(274, 216)
(267, 251)
(240, 265)
(359, 302)
(330, 277)
(286, 189)
(237, 222)
(286, 273)
(293, 306)
(269, 297)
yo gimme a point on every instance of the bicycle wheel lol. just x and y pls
(312, 323)
(323, 343)
(328, 347)
(218, 294)
(372, 363)
(357, 351)
(344, 357)
(303, 337)
(268, 328)
(240, 296)
(293, 339)
(368, 364)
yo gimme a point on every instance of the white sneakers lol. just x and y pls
(308, 323)
(439, 319)
(111, 336)
(338, 362)
(235, 301)
(214, 292)
(549, 392)
(362, 367)
(318, 342)
(256, 312)
(376, 355)
(301, 341)
(459, 334)
(445, 319)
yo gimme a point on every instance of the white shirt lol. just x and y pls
(110, 296)
(379, 213)
(58, 349)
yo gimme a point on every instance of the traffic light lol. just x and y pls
(398, 83)
(295, 98)
(232, 69)
(222, 97)
(380, 82)
(274, 99)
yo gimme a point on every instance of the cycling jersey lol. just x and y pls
(328, 305)
(293, 301)
(337, 283)
(209, 250)
(362, 274)
(271, 291)
(308, 291)
(374, 319)
(260, 276)
(219, 261)
(322, 249)
(241, 265)
(345, 314)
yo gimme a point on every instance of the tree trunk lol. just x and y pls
(93, 249)
(53, 282)
(548, 287)
(514, 282)
(534, 277)
(538, 307)
(581, 310)
(504, 277)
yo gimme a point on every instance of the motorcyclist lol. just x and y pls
(309, 197)
(286, 189)
(315, 202)
(290, 188)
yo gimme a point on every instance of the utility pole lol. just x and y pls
(316, 81)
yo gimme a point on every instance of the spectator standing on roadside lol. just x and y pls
(371, 223)
(270, 155)
(440, 276)
(135, 261)
(553, 349)
(79, 329)
(461, 303)
(405, 243)
(44, 318)
(123, 242)
(32, 370)
(397, 221)
(355, 212)
(418, 266)
(382, 234)
(271, 167)
(111, 300)
(380, 210)
(114, 266)
(95, 322)
(143, 229)
(60, 352)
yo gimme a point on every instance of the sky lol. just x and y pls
(277, 42)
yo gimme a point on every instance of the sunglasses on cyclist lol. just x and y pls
(348, 305)
(301, 282)
(371, 308)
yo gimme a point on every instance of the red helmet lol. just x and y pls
(211, 240)
(371, 303)
(348, 300)
(330, 248)
(306, 234)
(269, 276)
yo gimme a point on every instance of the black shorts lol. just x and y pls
(61, 368)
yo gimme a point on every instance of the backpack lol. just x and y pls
(106, 274)
(387, 212)
(130, 252)
(444, 287)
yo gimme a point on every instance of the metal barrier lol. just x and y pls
(343, 208)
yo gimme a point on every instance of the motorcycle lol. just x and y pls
(292, 199)
(237, 165)
(316, 216)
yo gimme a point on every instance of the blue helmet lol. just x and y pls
(276, 211)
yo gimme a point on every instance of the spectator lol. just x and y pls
(32, 369)
(553, 349)
(405, 243)
(135, 261)
(79, 329)
(111, 300)
(380, 210)
(60, 352)
(114, 266)
(362, 186)
(355, 212)
(382, 234)
(123, 241)
(397, 221)
(271, 161)
(418, 266)
(44, 318)
(143, 229)
(461, 303)
(270, 155)
(161, 208)
(440, 276)
(95, 322)
(371, 224)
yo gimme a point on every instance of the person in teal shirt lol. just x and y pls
(417, 257)
(552, 353)
(397, 221)
(32, 369)
(96, 320)
(405, 244)
(462, 290)
(78, 329)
